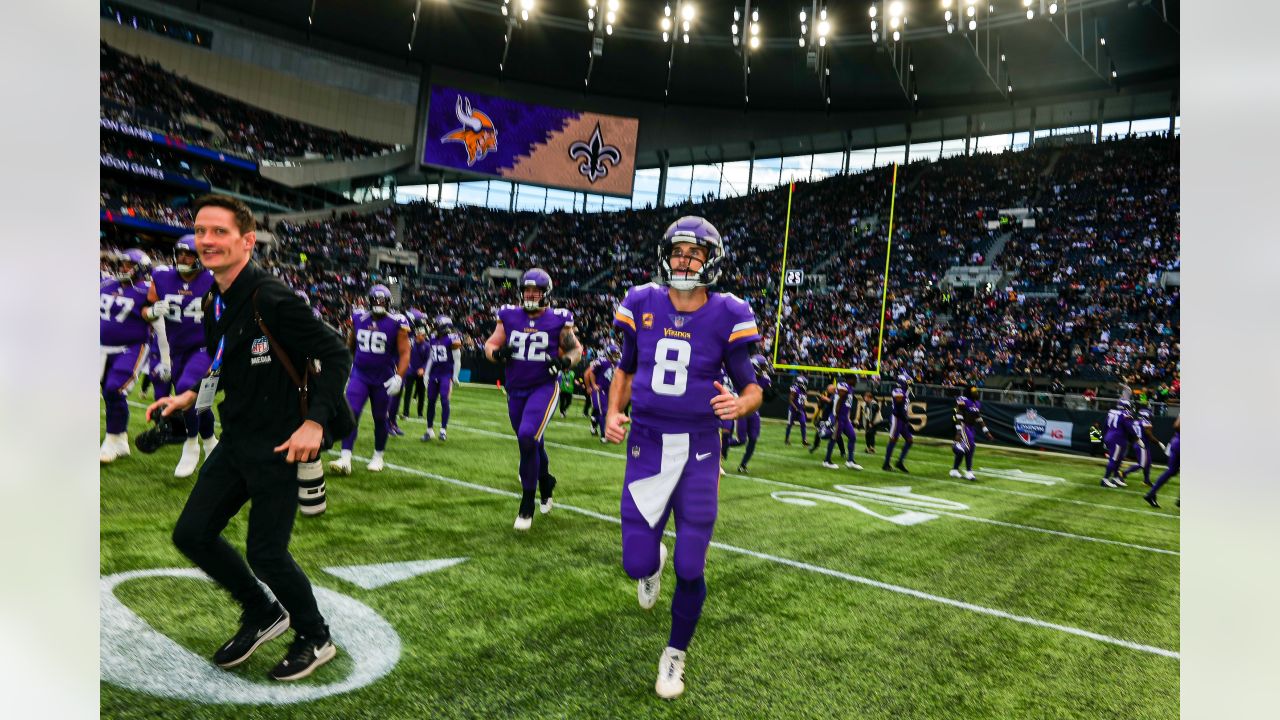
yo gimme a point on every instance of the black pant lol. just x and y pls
(870, 434)
(566, 399)
(230, 477)
(415, 383)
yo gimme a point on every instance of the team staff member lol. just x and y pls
(263, 435)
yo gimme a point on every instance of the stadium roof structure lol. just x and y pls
(932, 84)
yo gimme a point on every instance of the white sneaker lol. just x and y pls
(830, 466)
(955, 473)
(190, 458)
(968, 475)
(1106, 482)
(1119, 482)
(209, 445)
(376, 463)
(647, 588)
(545, 507)
(442, 435)
(523, 523)
(341, 466)
(852, 464)
(670, 674)
(429, 434)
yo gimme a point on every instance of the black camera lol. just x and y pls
(170, 430)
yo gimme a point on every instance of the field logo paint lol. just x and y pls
(137, 657)
(897, 497)
(1022, 476)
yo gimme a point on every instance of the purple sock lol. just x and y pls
(686, 608)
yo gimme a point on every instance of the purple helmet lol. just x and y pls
(802, 381)
(842, 387)
(691, 229)
(760, 364)
(904, 380)
(1145, 413)
(379, 300)
(539, 278)
(444, 325)
(132, 266)
(186, 244)
(611, 351)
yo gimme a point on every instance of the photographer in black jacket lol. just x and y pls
(264, 433)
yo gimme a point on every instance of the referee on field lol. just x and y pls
(263, 435)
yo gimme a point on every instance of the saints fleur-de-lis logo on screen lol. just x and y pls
(594, 154)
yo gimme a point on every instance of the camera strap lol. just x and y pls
(283, 355)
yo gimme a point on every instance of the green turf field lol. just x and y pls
(1040, 595)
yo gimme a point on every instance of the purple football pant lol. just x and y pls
(1116, 451)
(749, 433)
(1175, 465)
(963, 450)
(653, 458)
(361, 389)
(1143, 464)
(530, 410)
(798, 415)
(189, 368)
(438, 386)
(843, 429)
(118, 374)
(898, 428)
(600, 404)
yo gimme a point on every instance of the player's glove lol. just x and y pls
(555, 366)
(159, 309)
(503, 354)
(164, 371)
(393, 385)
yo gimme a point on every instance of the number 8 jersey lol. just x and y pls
(679, 356)
(534, 341)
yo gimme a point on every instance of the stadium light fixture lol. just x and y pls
(1053, 8)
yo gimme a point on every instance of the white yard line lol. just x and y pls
(759, 479)
(911, 592)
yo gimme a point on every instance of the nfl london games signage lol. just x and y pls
(533, 144)
(1033, 429)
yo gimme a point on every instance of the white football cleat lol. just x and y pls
(1118, 481)
(190, 458)
(670, 674)
(830, 466)
(647, 588)
(108, 452)
(546, 505)
(209, 444)
(376, 463)
(121, 441)
(442, 435)
(429, 434)
(341, 466)
(955, 473)
(968, 475)
(523, 523)
(1106, 482)
(852, 464)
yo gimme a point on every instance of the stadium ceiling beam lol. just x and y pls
(979, 40)
(1073, 27)
(893, 39)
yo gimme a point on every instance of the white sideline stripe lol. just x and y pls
(828, 572)
(767, 481)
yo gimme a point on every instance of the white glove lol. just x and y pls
(164, 371)
(393, 385)
(160, 309)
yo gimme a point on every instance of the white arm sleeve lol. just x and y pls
(162, 339)
(457, 364)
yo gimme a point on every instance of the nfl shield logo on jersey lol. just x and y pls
(1029, 426)
(647, 320)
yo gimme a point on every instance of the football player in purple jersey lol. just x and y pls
(444, 364)
(597, 379)
(899, 423)
(677, 338)
(797, 412)
(536, 342)
(177, 299)
(748, 428)
(967, 417)
(1120, 434)
(122, 335)
(842, 427)
(1174, 451)
(1143, 453)
(380, 340)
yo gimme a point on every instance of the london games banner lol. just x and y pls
(527, 143)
